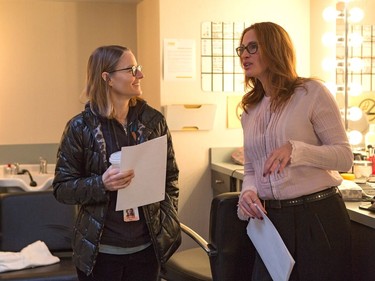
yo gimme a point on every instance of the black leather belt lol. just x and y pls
(277, 204)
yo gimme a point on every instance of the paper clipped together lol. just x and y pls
(149, 162)
(270, 247)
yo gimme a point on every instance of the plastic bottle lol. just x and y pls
(371, 157)
(7, 170)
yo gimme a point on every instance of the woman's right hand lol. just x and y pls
(114, 180)
(248, 204)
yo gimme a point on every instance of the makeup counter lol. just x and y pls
(227, 176)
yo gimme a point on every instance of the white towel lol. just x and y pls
(35, 254)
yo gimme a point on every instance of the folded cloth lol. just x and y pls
(35, 254)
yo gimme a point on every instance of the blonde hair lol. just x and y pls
(278, 51)
(103, 59)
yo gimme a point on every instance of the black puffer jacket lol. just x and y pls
(82, 160)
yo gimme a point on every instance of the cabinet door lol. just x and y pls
(220, 183)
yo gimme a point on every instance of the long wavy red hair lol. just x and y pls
(277, 49)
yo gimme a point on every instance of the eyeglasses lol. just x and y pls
(251, 48)
(134, 69)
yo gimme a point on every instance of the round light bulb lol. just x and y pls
(355, 64)
(354, 113)
(331, 87)
(355, 39)
(355, 89)
(355, 137)
(330, 14)
(356, 15)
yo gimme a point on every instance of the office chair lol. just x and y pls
(228, 256)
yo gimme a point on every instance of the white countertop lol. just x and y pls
(361, 216)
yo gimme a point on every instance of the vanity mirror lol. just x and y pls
(354, 65)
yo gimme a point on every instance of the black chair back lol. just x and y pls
(235, 252)
(26, 217)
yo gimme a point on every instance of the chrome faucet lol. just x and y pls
(15, 169)
(42, 166)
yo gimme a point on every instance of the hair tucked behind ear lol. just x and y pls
(103, 59)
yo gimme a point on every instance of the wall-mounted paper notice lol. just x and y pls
(179, 59)
(149, 162)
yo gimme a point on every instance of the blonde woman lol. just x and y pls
(106, 245)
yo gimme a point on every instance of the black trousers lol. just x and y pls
(317, 235)
(140, 266)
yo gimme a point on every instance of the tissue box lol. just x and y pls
(350, 191)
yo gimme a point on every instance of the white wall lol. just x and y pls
(44, 50)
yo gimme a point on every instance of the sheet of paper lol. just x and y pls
(271, 248)
(149, 162)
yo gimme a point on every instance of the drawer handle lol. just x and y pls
(219, 181)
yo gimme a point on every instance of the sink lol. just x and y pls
(11, 183)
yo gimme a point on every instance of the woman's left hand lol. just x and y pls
(114, 179)
(278, 159)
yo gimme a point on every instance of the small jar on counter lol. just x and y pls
(362, 168)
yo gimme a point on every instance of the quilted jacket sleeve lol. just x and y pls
(72, 183)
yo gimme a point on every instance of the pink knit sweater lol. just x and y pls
(311, 122)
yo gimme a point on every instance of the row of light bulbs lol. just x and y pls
(354, 64)
(331, 14)
(354, 89)
(330, 39)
